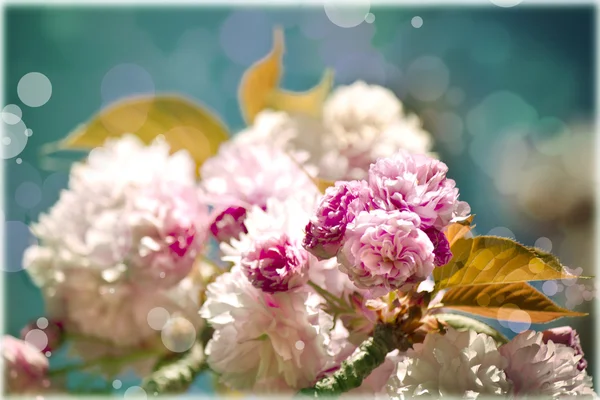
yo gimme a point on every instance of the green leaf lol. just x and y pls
(464, 323)
(518, 302)
(489, 259)
(184, 124)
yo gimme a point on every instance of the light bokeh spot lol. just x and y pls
(347, 15)
(12, 114)
(416, 22)
(42, 323)
(135, 392)
(506, 3)
(428, 78)
(178, 335)
(37, 338)
(34, 89)
(157, 318)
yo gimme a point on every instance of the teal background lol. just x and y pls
(543, 55)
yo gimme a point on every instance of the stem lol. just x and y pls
(108, 360)
(178, 375)
(353, 371)
(326, 295)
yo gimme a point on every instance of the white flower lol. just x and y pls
(110, 319)
(264, 342)
(360, 123)
(540, 369)
(368, 122)
(280, 217)
(131, 212)
(119, 242)
(463, 364)
(245, 175)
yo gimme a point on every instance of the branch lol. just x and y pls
(178, 375)
(353, 371)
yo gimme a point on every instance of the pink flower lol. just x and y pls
(385, 250)
(325, 231)
(168, 225)
(276, 264)
(537, 368)
(569, 337)
(440, 245)
(417, 183)
(229, 224)
(25, 368)
(245, 175)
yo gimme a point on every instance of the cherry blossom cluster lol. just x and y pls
(387, 232)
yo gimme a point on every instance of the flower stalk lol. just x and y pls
(371, 354)
(177, 376)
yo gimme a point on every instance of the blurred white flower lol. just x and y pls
(247, 175)
(367, 122)
(359, 124)
(456, 364)
(265, 342)
(119, 242)
(543, 369)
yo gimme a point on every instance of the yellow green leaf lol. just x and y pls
(261, 79)
(464, 323)
(308, 103)
(459, 230)
(323, 184)
(489, 259)
(517, 302)
(183, 124)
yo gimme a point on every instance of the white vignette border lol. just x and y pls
(310, 3)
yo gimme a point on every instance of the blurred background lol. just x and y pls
(508, 94)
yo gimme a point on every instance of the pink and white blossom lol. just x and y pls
(385, 251)
(417, 183)
(455, 364)
(264, 342)
(539, 368)
(25, 367)
(338, 207)
(276, 264)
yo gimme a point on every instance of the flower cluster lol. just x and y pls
(241, 176)
(467, 365)
(239, 263)
(121, 241)
(387, 232)
(271, 334)
(360, 123)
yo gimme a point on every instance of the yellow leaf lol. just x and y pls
(308, 103)
(323, 184)
(184, 125)
(459, 230)
(517, 302)
(489, 259)
(261, 79)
